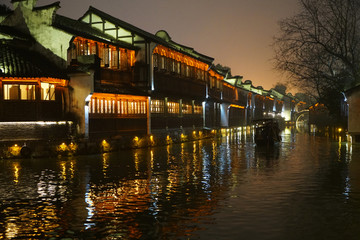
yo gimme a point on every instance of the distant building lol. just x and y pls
(353, 100)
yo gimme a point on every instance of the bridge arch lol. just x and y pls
(302, 118)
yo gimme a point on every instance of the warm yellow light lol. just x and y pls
(73, 147)
(105, 146)
(340, 130)
(152, 140)
(183, 137)
(168, 139)
(236, 106)
(136, 139)
(62, 147)
(167, 52)
(16, 172)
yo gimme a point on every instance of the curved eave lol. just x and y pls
(55, 4)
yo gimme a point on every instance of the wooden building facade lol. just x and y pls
(121, 80)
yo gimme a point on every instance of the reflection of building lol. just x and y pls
(113, 78)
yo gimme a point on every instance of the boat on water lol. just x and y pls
(267, 132)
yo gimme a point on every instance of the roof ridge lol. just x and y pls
(55, 4)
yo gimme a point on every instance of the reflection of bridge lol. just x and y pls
(302, 118)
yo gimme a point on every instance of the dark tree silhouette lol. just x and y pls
(319, 49)
(280, 87)
(4, 9)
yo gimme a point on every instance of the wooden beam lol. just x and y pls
(96, 22)
(129, 36)
(108, 29)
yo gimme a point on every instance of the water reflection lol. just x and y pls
(105, 164)
(16, 172)
(215, 188)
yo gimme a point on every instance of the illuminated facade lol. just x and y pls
(33, 90)
(179, 84)
(121, 80)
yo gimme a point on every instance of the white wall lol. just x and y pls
(354, 112)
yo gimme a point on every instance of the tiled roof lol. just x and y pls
(13, 33)
(16, 61)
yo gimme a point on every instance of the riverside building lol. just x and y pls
(109, 79)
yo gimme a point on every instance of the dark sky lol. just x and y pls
(237, 33)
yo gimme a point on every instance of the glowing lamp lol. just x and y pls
(105, 146)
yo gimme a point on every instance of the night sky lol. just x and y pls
(237, 33)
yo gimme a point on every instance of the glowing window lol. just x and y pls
(130, 107)
(157, 106)
(172, 65)
(212, 83)
(136, 109)
(187, 109)
(143, 107)
(101, 106)
(162, 62)
(178, 67)
(173, 107)
(123, 107)
(198, 109)
(114, 58)
(93, 105)
(155, 60)
(187, 69)
(19, 92)
(47, 91)
(98, 106)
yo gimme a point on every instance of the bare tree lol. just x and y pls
(280, 87)
(319, 48)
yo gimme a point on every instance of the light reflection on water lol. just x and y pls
(304, 188)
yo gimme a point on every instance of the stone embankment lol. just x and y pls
(40, 148)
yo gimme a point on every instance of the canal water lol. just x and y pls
(306, 187)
